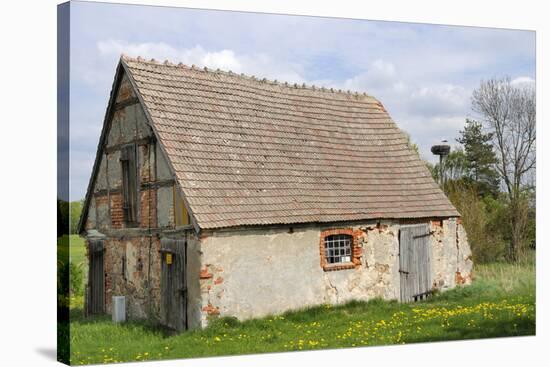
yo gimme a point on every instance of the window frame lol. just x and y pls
(338, 249)
(130, 190)
(355, 249)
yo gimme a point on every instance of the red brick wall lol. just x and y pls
(148, 208)
(147, 213)
(117, 214)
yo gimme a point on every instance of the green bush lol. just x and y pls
(499, 218)
(483, 223)
(74, 274)
(75, 278)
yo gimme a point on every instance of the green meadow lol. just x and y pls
(499, 303)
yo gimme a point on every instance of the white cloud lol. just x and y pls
(223, 59)
(439, 99)
(380, 76)
(412, 97)
(523, 81)
(251, 64)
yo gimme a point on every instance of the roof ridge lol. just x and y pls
(313, 87)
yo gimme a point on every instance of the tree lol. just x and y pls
(75, 212)
(412, 146)
(479, 219)
(454, 167)
(480, 158)
(510, 114)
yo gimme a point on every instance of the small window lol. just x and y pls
(129, 184)
(338, 248)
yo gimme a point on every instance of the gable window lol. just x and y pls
(129, 184)
(338, 248)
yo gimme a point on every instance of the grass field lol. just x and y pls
(78, 251)
(501, 302)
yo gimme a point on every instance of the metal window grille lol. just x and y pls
(338, 248)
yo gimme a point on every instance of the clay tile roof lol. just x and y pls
(249, 151)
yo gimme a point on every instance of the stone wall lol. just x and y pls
(452, 258)
(132, 269)
(256, 272)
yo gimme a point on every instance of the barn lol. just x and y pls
(219, 194)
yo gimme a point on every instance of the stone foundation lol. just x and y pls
(132, 269)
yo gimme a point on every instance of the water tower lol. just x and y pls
(441, 150)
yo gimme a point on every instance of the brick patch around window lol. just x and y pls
(356, 251)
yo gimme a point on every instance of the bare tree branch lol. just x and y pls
(510, 113)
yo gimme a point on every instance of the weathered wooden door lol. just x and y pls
(173, 306)
(414, 262)
(96, 278)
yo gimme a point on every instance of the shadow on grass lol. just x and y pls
(149, 326)
(314, 313)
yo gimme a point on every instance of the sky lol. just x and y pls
(423, 74)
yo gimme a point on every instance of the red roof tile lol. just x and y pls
(251, 152)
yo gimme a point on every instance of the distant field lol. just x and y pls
(78, 251)
(500, 302)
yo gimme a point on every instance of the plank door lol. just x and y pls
(96, 278)
(173, 303)
(414, 262)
